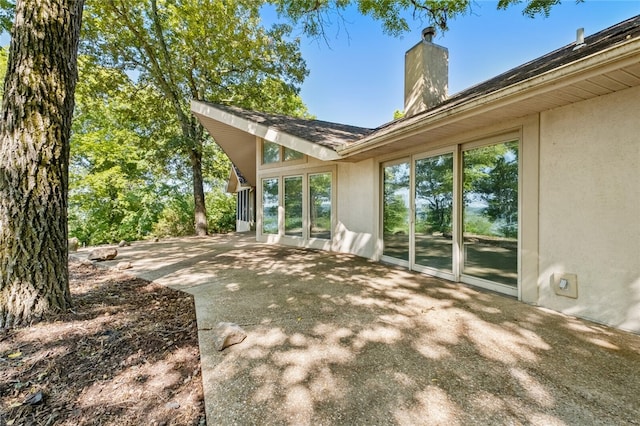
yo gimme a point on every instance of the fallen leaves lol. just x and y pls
(113, 360)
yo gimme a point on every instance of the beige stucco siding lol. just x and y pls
(357, 219)
(590, 207)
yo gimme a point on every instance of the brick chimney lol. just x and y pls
(426, 70)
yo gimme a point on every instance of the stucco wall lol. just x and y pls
(357, 209)
(590, 207)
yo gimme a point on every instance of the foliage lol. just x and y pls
(225, 57)
(221, 211)
(176, 218)
(314, 16)
(114, 193)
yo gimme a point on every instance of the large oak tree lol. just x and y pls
(37, 109)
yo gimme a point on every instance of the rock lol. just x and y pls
(34, 399)
(172, 405)
(86, 262)
(73, 244)
(124, 265)
(123, 243)
(101, 254)
(227, 334)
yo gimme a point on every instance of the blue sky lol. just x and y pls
(358, 78)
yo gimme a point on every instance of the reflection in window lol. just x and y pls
(320, 205)
(396, 211)
(291, 154)
(270, 152)
(434, 212)
(490, 212)
(293, 206)
(270, 206)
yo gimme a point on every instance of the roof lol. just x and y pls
(565, 55)
(607, 61)
(324, 133)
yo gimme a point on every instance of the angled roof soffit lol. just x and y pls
(462, 107)
(315, 138)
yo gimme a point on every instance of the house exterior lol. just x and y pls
(527, 184)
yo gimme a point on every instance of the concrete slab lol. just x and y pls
(337, 339)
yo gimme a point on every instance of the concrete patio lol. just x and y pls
(337, 339)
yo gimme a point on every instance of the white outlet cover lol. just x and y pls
(569, 286)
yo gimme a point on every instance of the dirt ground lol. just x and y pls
(127, 355)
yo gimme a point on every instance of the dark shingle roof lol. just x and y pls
(597, 42)
(606, 38)
(330, 135)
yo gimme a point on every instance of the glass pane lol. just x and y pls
(290, 154)
(270, 152)
(293, 206)
(270, 206)
(434, 212)
(395, 211)
(320, 205)
(491, 213)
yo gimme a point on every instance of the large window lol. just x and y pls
(320, 205)
(299, 206)
(395, 210)
(491, 213)
(434, 212)
(454, 213)
(270, 203)
(293, 206)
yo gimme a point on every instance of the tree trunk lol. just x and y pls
(34, 156)
(200, 211)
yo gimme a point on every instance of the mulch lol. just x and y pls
(127, 354)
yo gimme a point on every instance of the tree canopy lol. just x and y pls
(396, 16)
(225, 57)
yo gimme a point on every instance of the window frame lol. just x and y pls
(281, 156)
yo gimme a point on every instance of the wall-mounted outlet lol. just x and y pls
(565, 284)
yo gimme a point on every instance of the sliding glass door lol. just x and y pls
(454, 214)
(490, 210)
(433, 241)
(396, 210)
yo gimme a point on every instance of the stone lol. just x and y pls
(123, 243)
(86, 262)
(101, 254)
(73, 244)
(227, 334)
(172, 405)
(124, 265)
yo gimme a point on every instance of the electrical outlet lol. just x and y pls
(565, 284)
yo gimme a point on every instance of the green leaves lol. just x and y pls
(315, 16)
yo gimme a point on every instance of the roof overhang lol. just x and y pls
(237, 137)
(610, 70)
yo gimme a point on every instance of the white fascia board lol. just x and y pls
(606, 60)
(265, 132)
